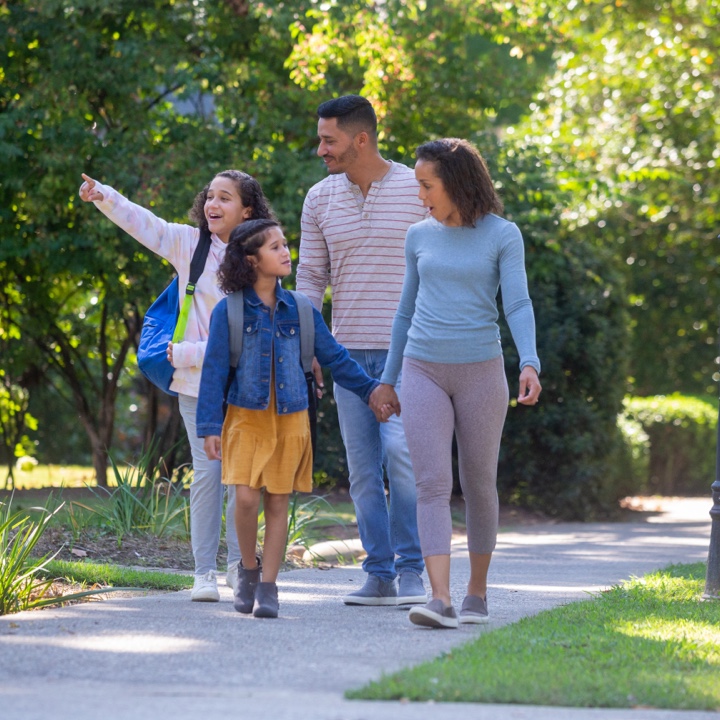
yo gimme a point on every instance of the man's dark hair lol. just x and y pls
(353, 112)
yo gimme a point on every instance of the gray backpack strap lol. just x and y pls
(235, 306)
(307, 330)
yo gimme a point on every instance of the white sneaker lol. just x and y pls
(232, 575)
(205, 588)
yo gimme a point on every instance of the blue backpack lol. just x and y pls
(165, 322)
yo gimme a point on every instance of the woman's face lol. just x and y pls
(434, 196)
(224, 208)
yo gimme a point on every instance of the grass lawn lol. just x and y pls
(115, 576)
(651, 642)
(54, 476)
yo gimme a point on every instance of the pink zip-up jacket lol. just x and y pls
(176, 243)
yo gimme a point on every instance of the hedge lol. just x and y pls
(672, 441)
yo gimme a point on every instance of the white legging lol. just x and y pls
(470, 400)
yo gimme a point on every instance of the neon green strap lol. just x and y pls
(179, 333)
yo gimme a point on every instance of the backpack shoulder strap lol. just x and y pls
(197, 264)
(235, 305)
(307, 329)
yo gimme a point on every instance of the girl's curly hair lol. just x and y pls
(465, 177)
(236, 271)
(250, 192)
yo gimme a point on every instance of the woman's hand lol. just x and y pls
(88, 193)
(530, 387)
(212, 447)
(384, 402)
(170, 353)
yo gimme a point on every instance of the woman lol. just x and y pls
(446, 340)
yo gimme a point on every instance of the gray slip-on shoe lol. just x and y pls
(436, 614)
(375, 591)
(474, 610)
(411, 590)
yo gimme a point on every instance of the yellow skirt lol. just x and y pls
(262, 449)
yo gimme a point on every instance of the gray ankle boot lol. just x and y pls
(245, 587)
(266, 600)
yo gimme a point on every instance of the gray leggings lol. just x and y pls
(469, 399)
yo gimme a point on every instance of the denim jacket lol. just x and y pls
(268, 338)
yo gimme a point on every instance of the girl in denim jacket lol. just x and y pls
(264, 439)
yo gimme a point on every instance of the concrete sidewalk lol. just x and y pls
(161, 656)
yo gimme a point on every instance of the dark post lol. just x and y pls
(712, 581)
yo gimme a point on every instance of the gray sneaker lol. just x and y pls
(411, 590)
(474, 610)
(436, 614)
(375, 591)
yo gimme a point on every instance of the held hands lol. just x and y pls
(88, 193)
(530, 387)
(384, 402)
(212, 447)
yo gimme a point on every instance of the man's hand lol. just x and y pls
(212, 447)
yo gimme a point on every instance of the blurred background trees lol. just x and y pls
(599, 120)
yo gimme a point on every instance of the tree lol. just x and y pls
(102, 97)
(631, 123)
(431, 67)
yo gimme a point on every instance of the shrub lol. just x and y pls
(678, 457)
(561, 456)
(141, 501)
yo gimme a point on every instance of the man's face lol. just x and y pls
(336, 148)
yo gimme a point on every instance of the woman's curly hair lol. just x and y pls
(236, 271)
(465, 177)
(250, 192)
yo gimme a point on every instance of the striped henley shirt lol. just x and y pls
(356, 245)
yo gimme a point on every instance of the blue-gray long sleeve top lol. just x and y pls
(448, 309)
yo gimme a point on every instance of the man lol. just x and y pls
(353, 236)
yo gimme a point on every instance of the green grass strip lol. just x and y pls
(116, 576)
(650, 642)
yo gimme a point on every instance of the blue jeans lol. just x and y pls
(206, 499)
(385, 532)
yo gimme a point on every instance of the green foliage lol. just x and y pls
(420, 62)
(141, 500)
(113, 575)
(673, 439)
(631, 125)
(22, 577)
(558, 457)
(20, 587)
(651, 642)
(15, 422)
(307, 518)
